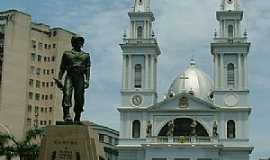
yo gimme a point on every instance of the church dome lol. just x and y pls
(193, 81)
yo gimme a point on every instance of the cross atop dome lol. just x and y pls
(142, 6)
(230, 5)
(192, 62)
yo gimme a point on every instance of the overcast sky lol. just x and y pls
(183, 28)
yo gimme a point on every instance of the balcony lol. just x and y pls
(182, 140)
(231, 40)
(140, 41)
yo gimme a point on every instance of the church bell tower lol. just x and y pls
(230, 50)
(140, 51)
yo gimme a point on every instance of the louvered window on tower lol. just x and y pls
(140, 32)
(230, 31)
(138, 76)
(230, 75)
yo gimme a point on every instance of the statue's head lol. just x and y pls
(77, 42)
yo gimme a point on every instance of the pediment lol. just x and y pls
(185, 102)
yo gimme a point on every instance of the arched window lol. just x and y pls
(136, 129)
(230, 75)
(138, 76)
(230, 31)
(140, 32)
(230, 129)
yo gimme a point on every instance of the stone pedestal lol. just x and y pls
(71, 142)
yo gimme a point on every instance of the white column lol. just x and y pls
(134, 30)
(222, 84)
(124, 72)
(240, 71)
(146, 73)
(152, 71)
(216, 71)
(246, 72)
(130, 70)
(145, 29)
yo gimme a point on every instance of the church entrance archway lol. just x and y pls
(184, 127)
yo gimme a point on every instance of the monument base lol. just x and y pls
(71, 142)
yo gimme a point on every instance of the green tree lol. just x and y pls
(26, 149)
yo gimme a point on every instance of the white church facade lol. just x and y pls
(200, 118)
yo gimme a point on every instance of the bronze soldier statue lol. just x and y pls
(76, 64)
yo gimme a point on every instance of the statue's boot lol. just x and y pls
(67, 117)
(77, 117)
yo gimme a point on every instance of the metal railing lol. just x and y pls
(181, 140)
(138, 41)
(231, 40)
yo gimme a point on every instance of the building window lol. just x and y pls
(54, 33)
(29, 121)
(36, 109)
(41, 109)
(40, 45)
(29, 108)
(31, 82)
(230, 129)
(33, 56)
(110, 140)
(52, 71)
(37, 84)
(140, 32)
(43, 84)
(47, 84)
(34, 44)
(45, 59)
(230, 31)
(48, 71)
(101, 137)
(50, 122)
(38, 71)
(54, 45)
(138, 76)
(30, 95)
(37, 96)
(45, 46)
(52, 83)
(43, 97)
(136, 129)
(50, 109)
(230, 75)
(39, 58)
(53, 58)
(32, 70)
(49, 46)
(46, 97)
(51, 96)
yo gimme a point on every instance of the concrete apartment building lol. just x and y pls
(108, 138)
(30, 54)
